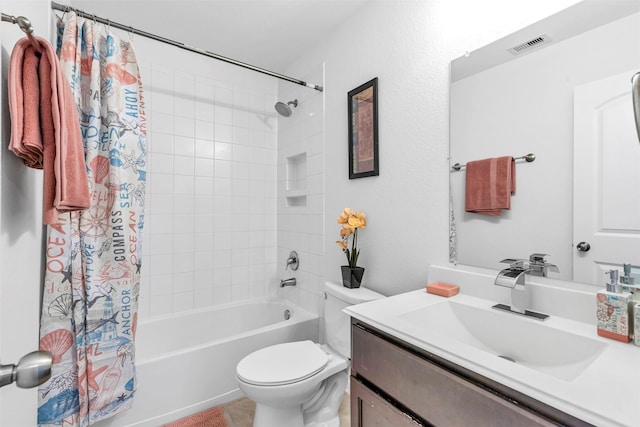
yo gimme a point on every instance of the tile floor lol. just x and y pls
(239, 413)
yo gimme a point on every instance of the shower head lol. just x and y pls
(284, 110)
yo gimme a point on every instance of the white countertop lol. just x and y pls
(606, 393)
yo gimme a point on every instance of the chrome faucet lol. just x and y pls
(514, 278)
(288, 282)
(538, 266)
(293, 261)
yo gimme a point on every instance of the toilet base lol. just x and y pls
(283, 417)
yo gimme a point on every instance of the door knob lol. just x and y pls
(32, 370)
(583, 246)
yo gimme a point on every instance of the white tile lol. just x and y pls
(183, 263)
(183, 184)
(203, 260)
(160, 204)
(183, 165)
(222, 259)
(183, 204)
(240, 291)
(203, 242)
(205, 148)
(183, 301)
(223, 168)
(184, 84)
(223, 114)
(240, 153)
(223, 133)
(222, 187)
(203, 279)
(204, 167)
(163, 103)
(184, 146)
(161, 163)
(183, 244)
(204, 186)
(163, 123)
(161, 143)
(222, 295)
(184, 106)
(222, 277)
(204, 223)
(204, 130)
(160, 285)
(182, 282)
(203, 297)
(240, 136)
(183, 224)
(239, 240)
(222, 240)
(222, 204)
(240, 170)
(160, 305)
(158, 244)
(204, 205)
(160, 264)
(204, 109)
(223, 96)
(184, 126)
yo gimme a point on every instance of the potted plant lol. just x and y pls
(351, 222)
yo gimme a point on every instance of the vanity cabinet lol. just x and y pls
(396, 384)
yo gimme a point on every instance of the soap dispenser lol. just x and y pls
(613, 310)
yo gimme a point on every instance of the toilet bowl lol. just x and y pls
(302, 383)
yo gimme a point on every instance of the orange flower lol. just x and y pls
(351, 221)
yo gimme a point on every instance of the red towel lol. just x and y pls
(489, 185)
(45, 129)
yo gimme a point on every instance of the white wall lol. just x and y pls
(408, 45)
(20, 235)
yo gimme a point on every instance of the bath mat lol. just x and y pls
(208, 418)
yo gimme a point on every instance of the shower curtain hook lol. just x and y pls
(130, 34)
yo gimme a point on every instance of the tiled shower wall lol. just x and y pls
(301, 190)
(210, 234)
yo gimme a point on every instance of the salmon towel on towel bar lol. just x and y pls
(489, 185)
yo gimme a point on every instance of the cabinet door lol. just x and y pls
(370, 410)
(429, 391)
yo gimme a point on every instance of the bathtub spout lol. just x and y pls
(288, 282)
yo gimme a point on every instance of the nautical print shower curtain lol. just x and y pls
(92, 275)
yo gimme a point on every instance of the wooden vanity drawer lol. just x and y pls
(436, 395)
(368, 409)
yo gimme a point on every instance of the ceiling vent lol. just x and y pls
(530, 45)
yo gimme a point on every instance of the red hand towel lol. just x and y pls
(45, 129)
(489, 185)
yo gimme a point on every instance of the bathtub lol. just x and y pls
(186, 362)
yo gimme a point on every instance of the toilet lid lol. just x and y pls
(282, 363)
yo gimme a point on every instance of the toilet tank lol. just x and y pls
(337, 324)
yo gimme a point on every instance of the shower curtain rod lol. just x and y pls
(25, 26)
(65, 8)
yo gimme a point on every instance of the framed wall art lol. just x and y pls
(363, 130)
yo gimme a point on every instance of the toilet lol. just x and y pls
(302, 383)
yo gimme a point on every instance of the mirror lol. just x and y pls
(516, 96)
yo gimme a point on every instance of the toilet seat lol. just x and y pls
(282, 364)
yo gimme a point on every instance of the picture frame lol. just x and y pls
(363, 130)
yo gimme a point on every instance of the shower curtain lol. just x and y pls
(92, 275)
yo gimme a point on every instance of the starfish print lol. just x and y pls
(91, 375)
(67, 274)
(122, 397)
(138, 266)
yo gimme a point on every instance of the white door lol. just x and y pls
(606, 174)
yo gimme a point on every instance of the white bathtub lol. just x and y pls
(186, 362)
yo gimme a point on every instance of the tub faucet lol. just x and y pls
(514, 278)
(288, 282)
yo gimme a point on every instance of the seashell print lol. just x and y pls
(57, 342)
(61, 306)
(100, 167)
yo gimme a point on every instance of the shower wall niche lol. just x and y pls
(296, 180)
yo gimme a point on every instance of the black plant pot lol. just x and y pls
(352, 277)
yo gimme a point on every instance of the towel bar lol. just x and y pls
(527, 157)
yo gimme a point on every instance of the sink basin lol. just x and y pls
(526, 342)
